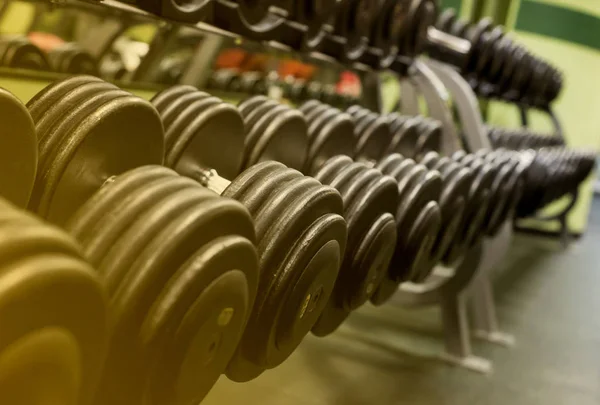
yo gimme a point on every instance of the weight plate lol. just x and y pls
(164, 98)
(405, 138)
(388, 28)
(173, 105)
(301, 240)
(373, 137)
(214, 139)
(279, 135)
(261, 13)
(24, 55)
(487, 48)
(329, 134)
(353, 23)
(101, 137)
(52, 115)
(18, 150)
(367, 196)
(47, 339)
(192, 294)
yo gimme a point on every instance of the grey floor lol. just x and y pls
(548, 298)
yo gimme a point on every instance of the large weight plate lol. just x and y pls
(51, 348)
(102, 137)
(301, 241)
(192, 293)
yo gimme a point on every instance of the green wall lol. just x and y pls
(567, 34)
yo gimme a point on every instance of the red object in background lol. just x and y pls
(45, 41)
(295, 69)
(232, 58)
(349, 84)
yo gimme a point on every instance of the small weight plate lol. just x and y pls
(175, 120)
(25, 55)
(330, 134)
(170, 113)
(214, 139)
(164, 98)
(283, 138)
(373, 140)
(487, 47)
(405, 138)
(102, 144)
(49, 123)
(52, 93)
(309, 105)
(256, 110)
(18, 150)
(258, 13)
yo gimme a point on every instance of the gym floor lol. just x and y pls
(547, 297)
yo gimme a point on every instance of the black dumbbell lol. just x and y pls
(372, 134)
(19, 52)
(274, 131)
(178, 262)
(301, 234)
(70, 58)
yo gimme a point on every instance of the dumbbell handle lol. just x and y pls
(210, 179)
(456, 50)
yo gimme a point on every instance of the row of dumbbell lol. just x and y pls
(203, 275)
(372, 32)
(19, 52)
(376, 33)
(521, 138)
(554, 173)
(296, 90)
(496, 65)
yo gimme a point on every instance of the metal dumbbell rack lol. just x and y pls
(451, 285)
(471, 280)
(562, 215)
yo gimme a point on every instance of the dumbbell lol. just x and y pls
(273, 131)
(521, 138)
(372, 134)
(414, 136)
(19, 52)
(253, 83)
(417, 213)
(258, 20)
(178, 262)
(317, 16)
(496, 59)
(184, 12)
(352, 29)
(553, 173)
(370, 200)
(53, 314)
(388, 29)
(225, 80)
(70, 58)
(301, 234)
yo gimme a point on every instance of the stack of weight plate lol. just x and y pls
(553, 173)
(522, 138)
